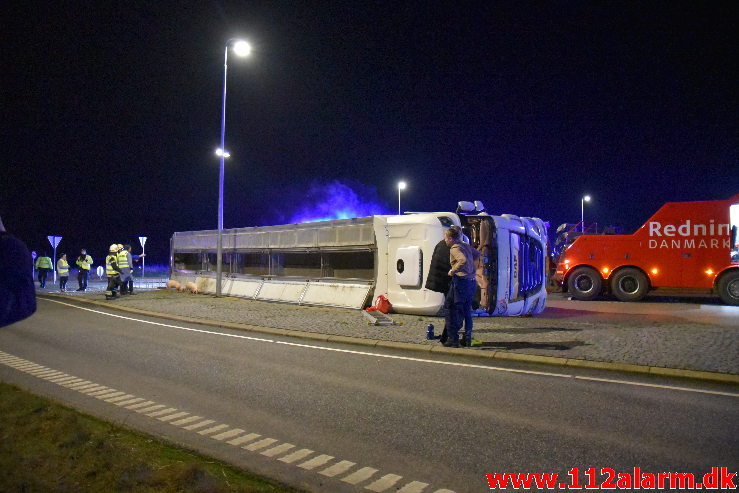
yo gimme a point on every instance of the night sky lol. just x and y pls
(111, 111)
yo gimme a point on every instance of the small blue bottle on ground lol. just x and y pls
(430, 332)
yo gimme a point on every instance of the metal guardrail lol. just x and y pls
(149, 283)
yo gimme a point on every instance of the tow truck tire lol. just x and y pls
(728, 288)
(584, 283)
(629, 284)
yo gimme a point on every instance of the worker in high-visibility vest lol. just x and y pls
(131, 259)
(43, 266)
(113, 272)
(124, 264)
(84, 262)
(62, 268)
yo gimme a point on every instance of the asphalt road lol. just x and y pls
(328, 417)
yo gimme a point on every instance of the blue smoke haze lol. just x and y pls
(338, 200)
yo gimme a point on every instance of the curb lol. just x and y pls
(500, 355)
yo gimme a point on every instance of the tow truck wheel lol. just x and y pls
(584, 283)
(629, 285)
(728, 288)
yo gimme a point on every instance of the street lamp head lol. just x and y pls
(221, 152)
(586, 198)
(242, 48)
(401, 185)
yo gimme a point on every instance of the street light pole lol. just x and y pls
(241, 48)
(401, 186)
(582, 212)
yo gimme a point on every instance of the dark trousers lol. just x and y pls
(126, 282)
(113, 283)
(63, 282)
(42, 273)
(459, 298)
(82, 276)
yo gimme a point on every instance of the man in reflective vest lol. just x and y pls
(124, 265)
(62, 268)
(44, 266)
(113, 272)
(84, 262)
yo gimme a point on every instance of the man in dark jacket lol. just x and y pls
(438, 279)
(17, 291)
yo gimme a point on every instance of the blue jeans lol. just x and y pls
(460, 297)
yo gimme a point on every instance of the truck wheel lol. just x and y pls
(629, 285)
(728, 288)
(584, 283)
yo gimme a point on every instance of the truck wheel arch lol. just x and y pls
(727, 286)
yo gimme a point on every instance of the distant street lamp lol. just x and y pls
(582, 212)
(401, 186)
(241, 48)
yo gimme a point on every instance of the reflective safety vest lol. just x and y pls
(123, 260)
(43, 263)
(86, 263)
(109, 260)
(62, 267)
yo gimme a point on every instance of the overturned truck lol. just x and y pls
(349, 262)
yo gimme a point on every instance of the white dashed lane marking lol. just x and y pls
(212, 430)
(228, 434)
(315, 462)
(296, 456)
(362, 475)
(384, 482)
(170, 417)
(185, 421)
(280, 449)
(303, 458)
(265, 442)
(338, 468)
(242, 440)
(140, 404)
(413, 487)
(202, 424)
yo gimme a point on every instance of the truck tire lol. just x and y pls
(629, 284)
(728, 288)
(584, 283)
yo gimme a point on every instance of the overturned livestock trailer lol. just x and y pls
(349, 262)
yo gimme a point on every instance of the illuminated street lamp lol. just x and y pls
(241, 48)
(401, 186)
(582, 212)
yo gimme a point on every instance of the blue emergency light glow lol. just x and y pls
(337, 200)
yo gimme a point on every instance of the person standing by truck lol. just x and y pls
(462, 258)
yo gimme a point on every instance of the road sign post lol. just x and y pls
(54, 240)
(142, 240)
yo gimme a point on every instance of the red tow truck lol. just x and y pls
(683, 246)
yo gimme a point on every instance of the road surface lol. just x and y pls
(331, 417)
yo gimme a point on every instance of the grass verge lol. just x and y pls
(47, 447)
